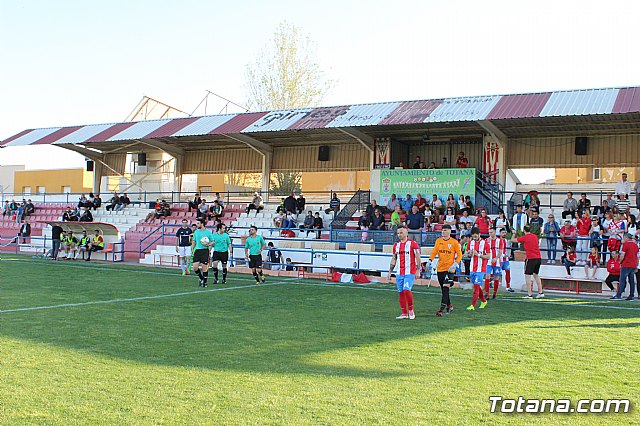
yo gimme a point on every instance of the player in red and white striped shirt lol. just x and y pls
(408, 253)
(497, 248)
(479, 252)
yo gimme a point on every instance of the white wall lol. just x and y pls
(6, 178)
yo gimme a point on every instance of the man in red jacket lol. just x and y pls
(613, 268)
(629, 264)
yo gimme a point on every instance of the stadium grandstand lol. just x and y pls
(463, 146)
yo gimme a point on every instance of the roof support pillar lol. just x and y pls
(494, 148)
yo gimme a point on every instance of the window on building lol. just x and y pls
(42, 190)
(596, 173)
(26, 190)
(66, 189)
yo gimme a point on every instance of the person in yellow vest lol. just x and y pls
(70, 244)
(97, 244)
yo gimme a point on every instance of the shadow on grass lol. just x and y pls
(277, 329)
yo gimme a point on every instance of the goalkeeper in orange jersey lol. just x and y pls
(449, 256)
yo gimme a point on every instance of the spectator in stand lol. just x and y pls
(462, 162)
(623, 204)
(569, 260)
(290, 204)
(414, 221)
(56, 240)
(611, 201)
(432, 165)
(97, 202)
(536, 222)
(124, 201)
(289, 265)
(203, 211)
(400, 165)
(274, 257)
(613, 268)
(86, 215)
(392, 203)
(377, 221)
(420, 203)
(551, 230)
(6, 211)
(166, 208)
(568, 235)
(416, 164)
(75, 215)
(371, 208)
(592, 264)
(466, 231)
(624, 186)
(66, 215)
(483, 223)
(13, 207)
(281, 207)
(451, 203)
(501, 222)
(216, 210)
(468, 204)
(531, 202)
(450, 219)
(290, 220)
(300, 203)
(308, 222)
(156, 213)
(608, 218)
(29, 208)
(583, 226)
(636, 191)
(113, 202)
(334, 205)
(278, 220)
(422, 165)
(256, 204)
(25, 230)
(616, 231)
(436, 205)
(20, 212)
(461, 204)
(628, 264)
(632, 225)
(600, 211)
(595, 234)
(465, 218)
(219, 199)
(583, 204)
(82, 202)
(429, 218)
(519, 220)
(569, 206)
(396, 220)
(195, 203)
(406, 204)
(363, 224)
(317, 224)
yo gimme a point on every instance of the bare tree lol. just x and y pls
(286, 74)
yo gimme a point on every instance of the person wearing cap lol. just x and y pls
(628, 266)
(623, 186)
(256, 204)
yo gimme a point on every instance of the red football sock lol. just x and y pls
(476, 291)
(496, 284)
(482, 298)
(409, 298)
(487, 283)
(507, 277)
(403, 302)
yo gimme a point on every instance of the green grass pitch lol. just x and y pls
(293, 352)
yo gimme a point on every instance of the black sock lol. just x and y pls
(255, 275)
(205, 275)
(199, 272)
(224, 272)
(445, 295)
(215, 273)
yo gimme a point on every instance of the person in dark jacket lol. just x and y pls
(377, 221)
(195, 203)
(290, 204)
(56, 238)
(86, 215)
(317, 224)
(25, 231)
(300, 203)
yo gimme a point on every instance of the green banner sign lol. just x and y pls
(427, 182)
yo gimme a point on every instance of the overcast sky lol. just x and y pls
(78, 62)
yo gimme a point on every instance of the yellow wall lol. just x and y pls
(216, 182)
(336, 181)
(54, 180)
(585, 175)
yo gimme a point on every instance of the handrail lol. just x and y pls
(161, 236)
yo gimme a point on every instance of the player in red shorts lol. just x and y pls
(479, 253)
(406, 254)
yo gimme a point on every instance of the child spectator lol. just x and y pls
(289, 264)
(592, 264)
(569, 259)
(613, 268)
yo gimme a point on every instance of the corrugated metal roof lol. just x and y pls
(628, 101)
(204, 125)
(561, 104)
(277, 120)
(411, 112)
(364, 115)
(580, 102)
(519, 106)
